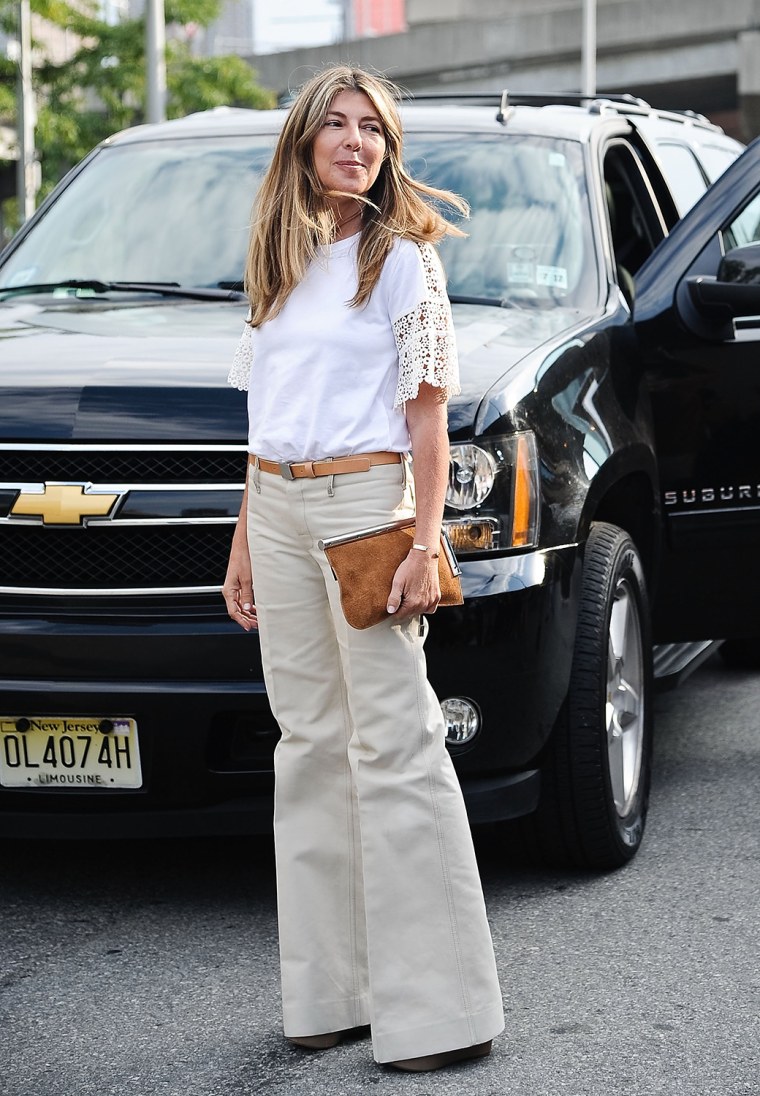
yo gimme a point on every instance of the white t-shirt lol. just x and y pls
(326, 379)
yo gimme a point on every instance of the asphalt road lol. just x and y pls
(150, 969)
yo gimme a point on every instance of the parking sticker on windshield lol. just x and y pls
(520, 273)
(554, 276)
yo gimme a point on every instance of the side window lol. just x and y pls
(684, 175)
(744, 229)
(636, 223)
(715, 159)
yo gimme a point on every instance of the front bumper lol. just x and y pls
(509, 648)
(193, 684)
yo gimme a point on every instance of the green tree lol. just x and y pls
(102, 88)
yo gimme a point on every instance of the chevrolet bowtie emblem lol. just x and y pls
(64, 503)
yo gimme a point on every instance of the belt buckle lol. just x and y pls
(286, 471)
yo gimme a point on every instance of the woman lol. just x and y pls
(348, 358)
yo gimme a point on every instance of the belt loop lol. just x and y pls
(404, 459)
(331, 485)
(410, 476)
(256, 475)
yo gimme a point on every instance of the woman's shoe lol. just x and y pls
(329, 1039)
(436, 1061)
(317, 1042)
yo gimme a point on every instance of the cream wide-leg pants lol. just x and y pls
(381, 912)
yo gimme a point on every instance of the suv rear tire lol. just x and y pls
(595, 779)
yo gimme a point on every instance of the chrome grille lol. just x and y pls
(161, 555)
(104, 466)
(106, 558)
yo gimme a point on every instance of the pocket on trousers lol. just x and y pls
(415, 629)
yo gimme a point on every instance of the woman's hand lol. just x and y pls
(416, 588)
(237, 590)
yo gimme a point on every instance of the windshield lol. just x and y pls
(528, 236)
(173, 211)
(179, 212)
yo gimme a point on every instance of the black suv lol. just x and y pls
(604, 487)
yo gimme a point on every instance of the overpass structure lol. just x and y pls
(701, 55)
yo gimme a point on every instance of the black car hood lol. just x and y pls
(498, 345)
(123, 370)
(142, 370)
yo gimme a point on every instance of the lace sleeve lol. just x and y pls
(425, 339)
(242, 360)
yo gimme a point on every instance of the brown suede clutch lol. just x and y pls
(365, 562)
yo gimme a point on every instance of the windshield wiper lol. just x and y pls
(164, 289)
(496, 302)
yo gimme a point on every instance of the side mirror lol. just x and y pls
(735, 291)
(741, 266)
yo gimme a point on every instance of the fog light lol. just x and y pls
(462, 718)
(473, 534)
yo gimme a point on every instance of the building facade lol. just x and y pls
(686, 54)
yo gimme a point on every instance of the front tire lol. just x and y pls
(596, 776)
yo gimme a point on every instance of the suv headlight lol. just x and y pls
(496, 483)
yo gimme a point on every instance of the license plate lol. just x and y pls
(69, 752)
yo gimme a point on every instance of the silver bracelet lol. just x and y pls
(425, 548)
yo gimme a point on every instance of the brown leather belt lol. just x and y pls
(335, 466)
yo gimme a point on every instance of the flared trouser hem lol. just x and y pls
(380, 906)
(395, 1046)
(317, 1017)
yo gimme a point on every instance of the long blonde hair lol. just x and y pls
(293, 217)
